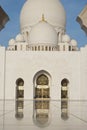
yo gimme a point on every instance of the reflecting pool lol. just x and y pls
(43, 114)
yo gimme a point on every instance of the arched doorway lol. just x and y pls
(19, 98)
(64, 88)
(42, 85)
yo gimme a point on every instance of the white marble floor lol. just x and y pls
(45, 115)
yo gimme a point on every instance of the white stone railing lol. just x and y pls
(42, 48)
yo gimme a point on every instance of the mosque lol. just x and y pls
(43, 61)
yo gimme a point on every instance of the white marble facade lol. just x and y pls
(43, 48)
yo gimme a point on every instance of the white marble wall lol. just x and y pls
(2, 71)
(22, 64)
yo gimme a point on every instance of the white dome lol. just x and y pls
(19, 38)
(43, 33)
(11, 41)
(65, 38)
(73, 42)
(33, 10)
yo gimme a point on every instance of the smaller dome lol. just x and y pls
(19, 38)
(11, 41)
(43, 33)
(73, 42)
(66, 38)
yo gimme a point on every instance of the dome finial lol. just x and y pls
(43, 18)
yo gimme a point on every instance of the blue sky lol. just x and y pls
(72, 8)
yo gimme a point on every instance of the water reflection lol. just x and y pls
(47, 114)
(64, 109)
(19, 109)
(41, 113)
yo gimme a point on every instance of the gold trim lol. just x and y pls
(43, 18)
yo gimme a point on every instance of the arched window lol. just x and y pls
(49, 48)
(42, 80)
(19, 98)
(64, 88)
(46, 48)
(69, 48)
(20, 82)
(15, 47)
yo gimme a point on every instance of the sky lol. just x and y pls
(72, 8)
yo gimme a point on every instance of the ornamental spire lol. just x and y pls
(43, 18)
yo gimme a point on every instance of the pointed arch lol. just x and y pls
(64, 88)
(42, 83)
